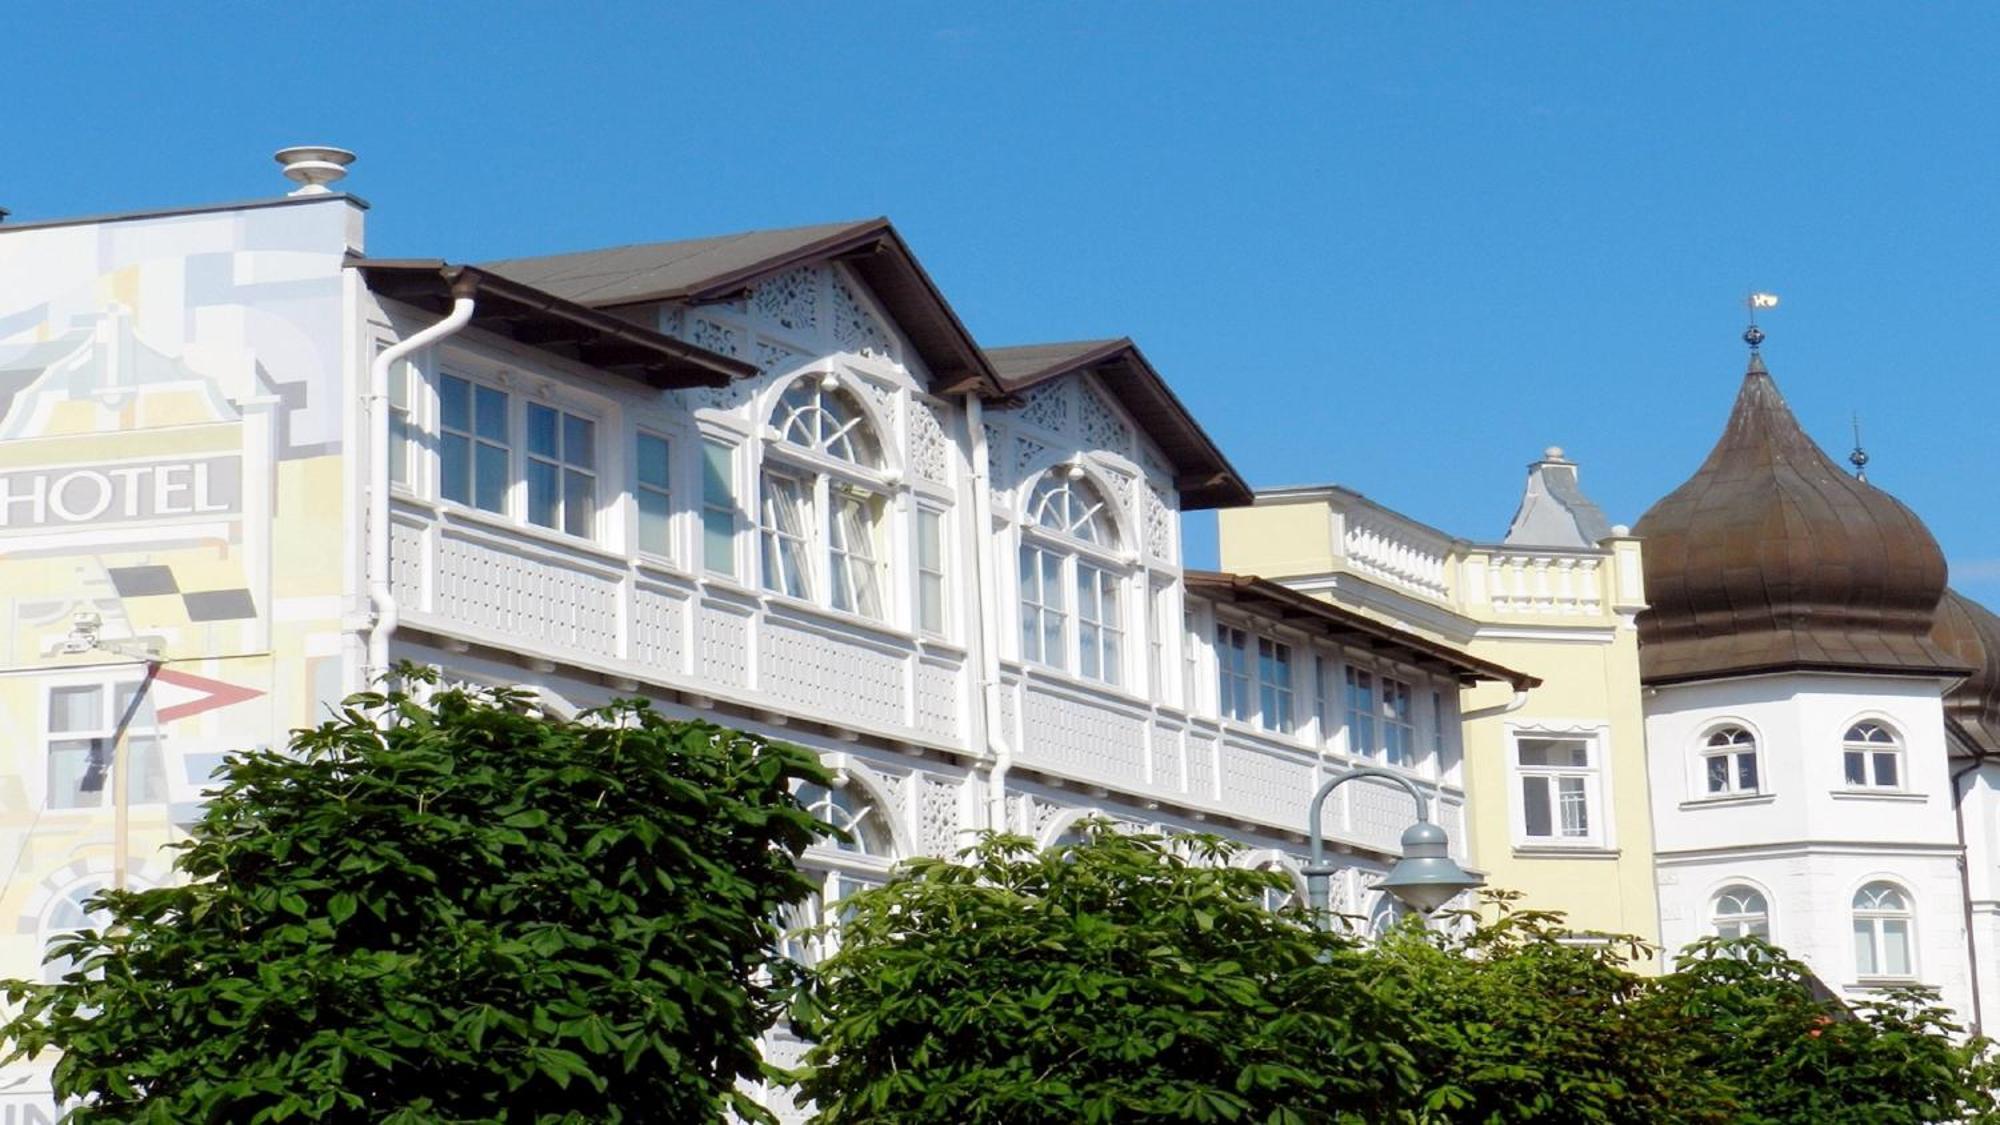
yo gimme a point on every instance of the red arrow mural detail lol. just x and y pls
(215, 694)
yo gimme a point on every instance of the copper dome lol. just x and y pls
(1771, 557)
(1970, 633)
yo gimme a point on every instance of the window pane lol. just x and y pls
(1537, 815)
(579, 502)
(490, 410)
(1857, 767)
(78, 771)
(1718, 774)
(542, 431)
(399, 446)
(455, 403)
(1746, 772)
(655, 529)
(1864, 948)
(455, 457)
(542, 499)
(76, 708)
(654, 466)
(149, 772)
(579, 445)
(1896, 947)
(1885, 770)
(718, 516)
(1575, 806)
(490, 488)
(930, 603)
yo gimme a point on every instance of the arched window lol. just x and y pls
(1386, 913)
(823, 501)
(1070, 579)
(1740, 911)
(1872, 757)
(841, 867)
(1729, 761)
(1883, 945)
(1276, 899)
(66, 916)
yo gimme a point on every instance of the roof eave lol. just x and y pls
(554, 324)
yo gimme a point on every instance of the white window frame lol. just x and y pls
(1745, 922)
(1074, 555)
(1398, 729)
(720, 504)
(841, 867)
(838, 569)
(1277, 699)
(1593, 776)
(664, 491)
(1871, 754)
(932, 532)
(1877, 921)
(145, 746)
(564, 466)
(1235, 680)
(1731, 753)
(1359, 712)
(476, 440)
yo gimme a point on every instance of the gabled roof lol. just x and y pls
(1202, 475)
(551, 323)
(696, 271)
(1314, 615)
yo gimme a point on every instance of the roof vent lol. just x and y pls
(312, 167)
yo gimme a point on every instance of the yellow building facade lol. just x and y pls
(1556, 784)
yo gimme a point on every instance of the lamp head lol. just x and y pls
(1427, 877)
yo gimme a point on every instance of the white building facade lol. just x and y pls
(766, 479)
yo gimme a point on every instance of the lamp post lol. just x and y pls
(1425, 878)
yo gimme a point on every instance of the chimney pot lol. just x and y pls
(312, 167)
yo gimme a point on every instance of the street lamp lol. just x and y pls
(1424, 879)
(83, 638)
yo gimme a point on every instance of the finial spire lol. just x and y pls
(1858, 458)
(1753, 335)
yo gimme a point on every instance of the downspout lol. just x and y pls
(381, 596)
(998, 748)
(1965, 886)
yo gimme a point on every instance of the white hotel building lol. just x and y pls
(764, 478)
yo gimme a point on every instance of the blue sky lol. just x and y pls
(1402, 247)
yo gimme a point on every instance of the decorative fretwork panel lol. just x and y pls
(659, 628)
(1200, 766)
(716, 337)
(1085, 740)
(527, 599)
(1268, 784)
(1102, 427)
(1159, 523)
(855, 328)
(930, 449)
(1166, 744)
(723, 654)
(835, 677)
(1047, 406)
(790, 301)
(939, 702)
(406, 565)
(937, 816)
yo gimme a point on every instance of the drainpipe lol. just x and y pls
(381, 596)
(997, 747)
(1965, 886)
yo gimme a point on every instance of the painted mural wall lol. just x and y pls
(171, 410)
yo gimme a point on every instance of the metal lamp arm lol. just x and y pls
(1318, 805)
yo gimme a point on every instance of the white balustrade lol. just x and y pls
(1545, 584)
(1408, 557)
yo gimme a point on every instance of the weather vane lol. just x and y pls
(1858, 458)
(1754, 335)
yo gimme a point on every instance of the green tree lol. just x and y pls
(1516, 1020)
(446, 909)
(1127, 977)
(1754, 1021)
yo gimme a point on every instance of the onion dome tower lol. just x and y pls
(1771, 558)
(1970, 633)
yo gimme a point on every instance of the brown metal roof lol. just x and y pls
(1970, 633)
(1771, 557)
(556, 325)
(703, 270)
(1313, 615)
(1203, 476)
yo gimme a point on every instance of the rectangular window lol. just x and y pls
(1100, 636)
(787, 560)
(1361, 713)
(1042, 611)
(930, 571)
(718, 508)
(83, 724)
(1156, 638)
(652, 471)
(473, 449)
(1190, 658)
(561, 470)
(1399, 728)
(1322, 697)
(1440, 719)
(400, 378)
(1234, 699)
(1558, 779)
(854, 558)
(1274, 686)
